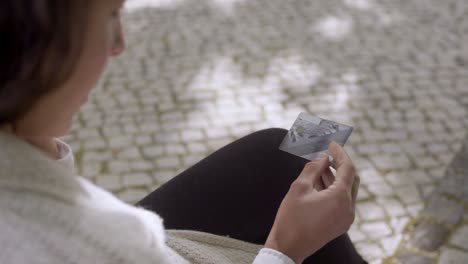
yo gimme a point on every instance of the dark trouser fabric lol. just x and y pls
(236, 192)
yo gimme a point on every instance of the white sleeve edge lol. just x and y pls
(271, 256)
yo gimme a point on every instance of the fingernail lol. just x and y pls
(324, 156)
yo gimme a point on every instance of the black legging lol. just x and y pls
(236, 192)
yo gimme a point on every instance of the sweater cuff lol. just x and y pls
(271, 256)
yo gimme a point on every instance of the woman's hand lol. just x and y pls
(318, 207)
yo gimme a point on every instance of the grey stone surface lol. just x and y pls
(429, 236)
(444, 210)
(460, 238)
(412, 258)
(452, 256)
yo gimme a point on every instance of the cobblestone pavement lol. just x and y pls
(198, 74)
(440, 233)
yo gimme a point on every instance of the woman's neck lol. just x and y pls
(48, 145)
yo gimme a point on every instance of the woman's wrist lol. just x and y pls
(288, 251)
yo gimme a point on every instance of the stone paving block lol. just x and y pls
(438, 148)
(390, 244)
(215, 144)
(143, 140)
(88, 133)
(91, 170)
(363, 194)
(168, 162)
(110, 182)
(408, 194)
(452, 256)
(132, 196)
(391, 148)
(413, 148)
(167, 137)
(192, 159)
(130, 128)
(118, 166)
(136, 180)
(162, 176)
(429, 236)
(112, 130)
(416, 127)
(444, 210)
(216, 132)
(460, 238)
(369, 149)
(369, 175)
(375, 230)
(412, 258)
(437, 173)
(150, 127)
(392, 206)
(95, 144)
(390, 162)
(456, 186)
(427, 190)
(445, 158)
(119, 142)
(382, 189)
(399, 178)
(142, 165)
(399, 224)
(96, 156)
(241, 130)
(356, 235)
(426, 162)
(195, 147)
(175, 149)
(192, 135)
(154, 151)
(169, 117)
(414, 209)
(131, 153)
(370, 211)
(369, 250)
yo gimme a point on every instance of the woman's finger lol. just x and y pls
(319, 185)
(328, 178)
(345, 171)
(314, 169)
(355, 188)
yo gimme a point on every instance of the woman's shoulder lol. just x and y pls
(102, 227)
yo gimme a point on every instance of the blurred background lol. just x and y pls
(199, 74)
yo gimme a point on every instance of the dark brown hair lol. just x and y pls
(41, 41)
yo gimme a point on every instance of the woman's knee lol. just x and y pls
(272, 134)
(263, 146)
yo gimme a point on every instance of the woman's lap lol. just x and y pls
(236, 192)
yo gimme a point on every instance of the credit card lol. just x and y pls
(310, 136)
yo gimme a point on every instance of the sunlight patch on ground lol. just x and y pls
(384, 16)
(334, 28)
(132, 5)
(360, 4)
(226, 6)
(295, 72)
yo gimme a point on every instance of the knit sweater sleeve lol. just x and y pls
(271, 256)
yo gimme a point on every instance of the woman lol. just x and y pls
(245, 203)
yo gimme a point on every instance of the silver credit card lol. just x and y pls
(310, 136)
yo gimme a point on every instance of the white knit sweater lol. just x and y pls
(49, 215)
